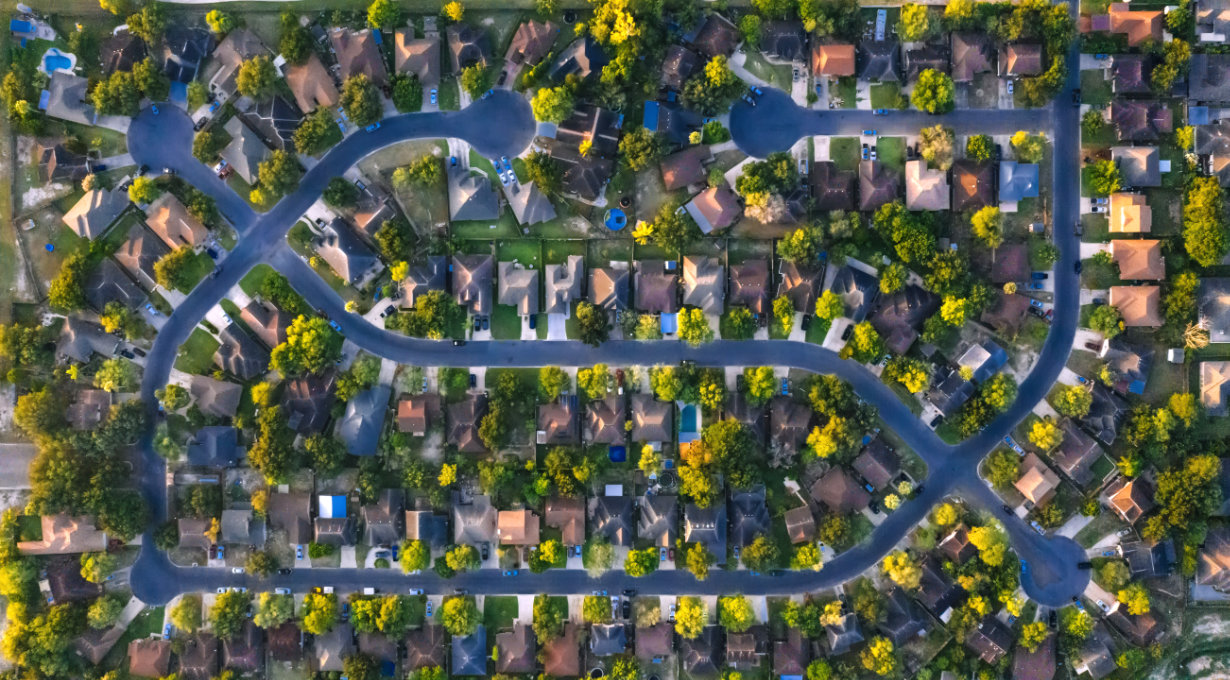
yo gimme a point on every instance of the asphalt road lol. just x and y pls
(503, 126)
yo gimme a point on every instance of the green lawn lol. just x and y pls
(846, 90)
(146, 624)
(450, 95)
(778, 76)
(1098, 275)
(505, 323)
(845, 152)
(885, 95)
(196, 355)
(499, 612)
(30, 527)
(817, 330)
(198, 267)
(891, 151)
(527, 252)
(300, 238)
(1095, 88)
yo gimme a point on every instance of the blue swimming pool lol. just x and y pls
(54, 60)
(615, 219)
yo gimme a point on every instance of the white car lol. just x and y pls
(236, 570)
(281, 591)
(416, 591)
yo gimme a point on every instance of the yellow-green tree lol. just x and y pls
(1045, 434)
(879, 657)
(902, 569)
(735, 613)
(690, 617)
(992, 544)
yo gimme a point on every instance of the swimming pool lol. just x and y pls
(55, 60)
(689, 423)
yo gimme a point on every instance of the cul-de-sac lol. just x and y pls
(627, 339)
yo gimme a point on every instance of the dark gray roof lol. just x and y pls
(706, 526)
(214, 446)
(611, 518)
(360, 427)
(239, 354)
(109, 283)
(749, 516)
(470, 653)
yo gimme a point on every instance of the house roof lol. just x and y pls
(714, 208)
(567, 514)
(1139, 259)
(311, 84)
(790, 423)
(1036, 665)
(936, 591)
(426, 276)
(1129, 74)
(1138, 25)
(57, 164)
(286, 642)
(1140, 166)
(469, 655)
(586, 175)
(702, 655)
(1214, 307)
(518, 287)
(419, 57)
(831, 188)
(925, 189)
(474, 522)
(792, 655)
(529, 204)
(652, 419)
(336, 531)
(471, 197)
(183, 48)
(214, 446)
(800, 283)
(654, 642)
(1011, 263)
(237, 47)
(192, 532)
(139, 253)
(902, 621)
(608, 287)
(877, 463)
(900, 316)
(557, 423)
(215, 397)
(109, 283)
(467, 46)
(706, 526)
(274, 119)
(517, 527)
(531, 42)
(428, 527)
(95, 211)
(66, 98)
(561, 657)
(1141, 630)
(746, 650)
(1037, 482)
(121, 51)
(973, 185)
(990, 641)
(749, 517)
(266, 321)
(684, 168)
(839, 492)
(659, 520)
(425, 647)
(63, 534)
(717, 36)
(463, 420)
(384, 520)
(415, 413)
(877, 185)
(957, 546)
(1130, 214)
(606, 639)
(240, 355)
(1214, 386)
(611, 518)
(655, 288)
(677, 66)
(1095, 657)
(1020, 59)
(1076, 453)
(843, 635)
(292, 513)
(832, 59)
(800, 524)
(857, 290)
(149, 657)
(749, 285)
(1213, 568)
(171, 221)
(1130, 498)
(1006, 313)
(922, 57)
(515, 650)
(199, 658)
(1139, 305)
(308, 401)
(785, 40)
(358, 52)
(245, 151)
(93, 644)
(1017, 181)
(879, 60)
(347, 254)
(1140, 121)
(89, 408)
(703, 283)
(472, 282)
(971, 54)
(331, 648)
(604, 422)
(582, 58)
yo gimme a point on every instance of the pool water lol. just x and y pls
(53, 62)
(687, 419)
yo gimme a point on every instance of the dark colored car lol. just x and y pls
(1079, 266)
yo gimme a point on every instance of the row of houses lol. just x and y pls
(964, 55)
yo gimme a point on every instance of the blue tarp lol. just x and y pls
(332, 506)
(618, 454)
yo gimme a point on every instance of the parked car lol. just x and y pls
(154, 108)
(236, 570)
(429, 608)
(416, 591)
(1041, 275)
(869, 133)
(433, 95)
(281, 591)
(372, 128)
(298, 552)
(880, 112)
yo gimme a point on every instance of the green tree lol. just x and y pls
(1073, 401)
(148, 23)
(310, 346)
(407, 93)
(97, 566)
(475, 79)
(902, 569)
(221, 22)
(829, 306)
(735, 613)
(1028, 148)
(641, 562)
(1033, 634)
(272, 610)
(935, 146)
(462, 558)
(669, 229)
(915, 23)
(1204, 221)
(105, 611)
(714, 89)
(690, 617)
(865, 344)
(122, 320)
(186, 614)
(992, 544)
(316, 133)
(257, 77)
(175, 269)
(549, 617)
(806, 556)
(892, 278)
(913, 374)
(385, 15)
(694, 328)
(227, 615)
(933, 92)
(545, 172)
(142, 190)
(361, 100)
(987, 225)
(279, 173)
(596, 609)
(798, 246)
(759, 383)
(879, 657)
(1104, 177)
(980, 148)
(1003, 468)
(149, 79)
(294, 40)
(552, 382)
(319, 613)
(739, 324)
(116, 374)
(341, 193)
(1114, 575)
(1045, 434)
(698, 560)
(761, 554)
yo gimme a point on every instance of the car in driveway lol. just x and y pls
(429, 608)
(433, 95)
(298, 552)
(166, 631)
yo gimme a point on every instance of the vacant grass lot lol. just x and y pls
(196, 355)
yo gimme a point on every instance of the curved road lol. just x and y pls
(504, 125)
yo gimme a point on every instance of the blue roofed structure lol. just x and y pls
(984, 360)
(329, 507)
(1017, 181)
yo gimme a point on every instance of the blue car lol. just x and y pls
(166, 631)
(869, 133)
(373, 127)
(298, 552)
(154, 108)
(504, 160)
(880, 112)
(334, 325)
